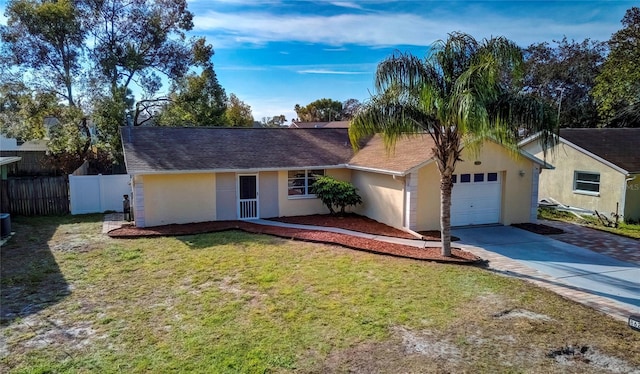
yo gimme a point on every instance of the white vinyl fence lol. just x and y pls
(98, 193)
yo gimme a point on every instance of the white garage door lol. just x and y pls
(475, 199)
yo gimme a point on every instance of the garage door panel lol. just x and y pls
(475, 202)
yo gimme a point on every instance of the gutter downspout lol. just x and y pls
(623, 203)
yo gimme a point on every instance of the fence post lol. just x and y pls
(101, 192)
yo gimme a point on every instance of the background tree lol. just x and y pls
(564, 74)
(350, 108)
(275, 121)
(45, 41)
(147, 111)
(321, 110)
(618, 85)
(626, 117)
(109, 113)
(70, 139)
(238, 114)
(462, 94)
(45, 47)
(138, 40)
(22, 111)
(196, 100)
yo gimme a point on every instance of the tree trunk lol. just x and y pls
(446, 185)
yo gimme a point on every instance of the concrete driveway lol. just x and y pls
(614, 281)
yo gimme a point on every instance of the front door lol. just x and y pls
(248, 196)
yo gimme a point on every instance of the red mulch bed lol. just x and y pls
(431, 254)
(355, 222)
(539, 228)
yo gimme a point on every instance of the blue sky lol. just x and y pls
(275, 54)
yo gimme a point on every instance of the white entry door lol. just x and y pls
(475, 199)
(248, 196)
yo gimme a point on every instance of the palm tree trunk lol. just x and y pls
(446, 185)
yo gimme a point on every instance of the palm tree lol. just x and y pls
(461, 94)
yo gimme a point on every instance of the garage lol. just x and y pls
(475, 199)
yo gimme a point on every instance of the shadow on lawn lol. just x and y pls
(236, 237)
(30, 278)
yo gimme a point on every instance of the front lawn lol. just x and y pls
(74, 300)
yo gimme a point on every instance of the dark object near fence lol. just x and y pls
(126, 208)
(5, 225)
(34, 196)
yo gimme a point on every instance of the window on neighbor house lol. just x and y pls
(300, 181)
(586, 182)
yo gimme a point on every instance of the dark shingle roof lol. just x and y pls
(318, 125)
(172, 149)
(179, 149)
(619, 146)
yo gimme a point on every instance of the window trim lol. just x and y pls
(457, 178)
(576, 190)
(306, 186)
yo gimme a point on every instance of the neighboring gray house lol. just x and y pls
(595, 169)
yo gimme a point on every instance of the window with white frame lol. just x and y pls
(299, 182)
(587, 182)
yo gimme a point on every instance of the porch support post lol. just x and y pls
(535, 178)
(138, 201)
(411, 201)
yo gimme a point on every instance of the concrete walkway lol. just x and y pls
(113, 221)
(601, 282)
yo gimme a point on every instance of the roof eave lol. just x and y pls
(595, 156)
(419, 166)
(235, 170)
(377, 170)
(9, 160)
(529, 139)
(529, 156)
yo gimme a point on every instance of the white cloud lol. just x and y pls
(261, 107)
(389, 29)
(371, 30)
(346, 4)
(242, 68)
(325, 71)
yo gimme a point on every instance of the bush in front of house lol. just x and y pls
(335, 193)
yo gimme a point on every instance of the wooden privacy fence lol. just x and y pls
(33, 196)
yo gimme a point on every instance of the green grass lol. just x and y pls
(233, 302)
(630, 230)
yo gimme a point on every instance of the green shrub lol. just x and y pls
(335, 193)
